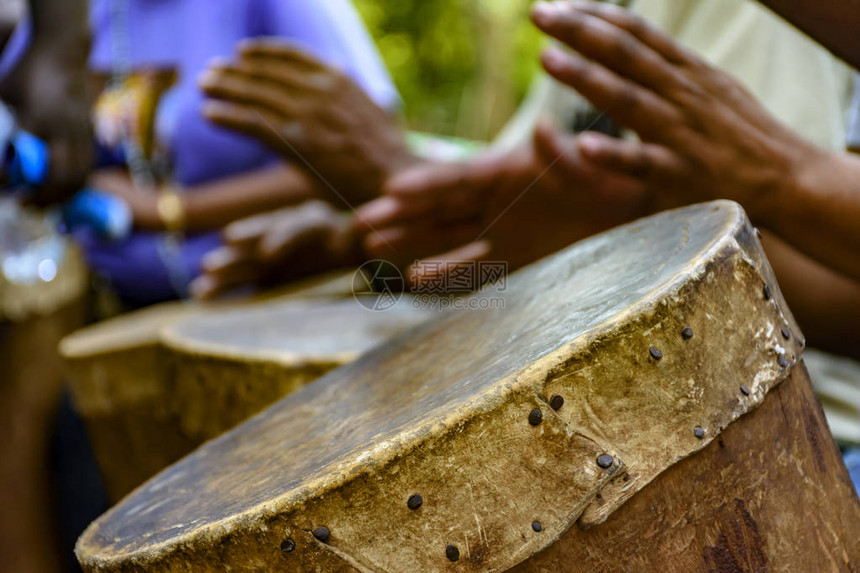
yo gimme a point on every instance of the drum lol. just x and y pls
(639, 403)
(118, 376)
(228, 366)
(169, 378)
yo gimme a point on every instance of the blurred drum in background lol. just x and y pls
(229, 366)
(169, 378)
(122, 382)
(640, 404)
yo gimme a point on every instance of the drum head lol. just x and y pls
(292, 333)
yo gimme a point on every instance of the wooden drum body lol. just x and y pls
(120, 376)
(639, 403)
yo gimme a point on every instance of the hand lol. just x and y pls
(703, 135)
(514, 207)
(309, 112)
(48, 90)
(278, 247)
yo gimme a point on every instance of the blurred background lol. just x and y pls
(461, 66)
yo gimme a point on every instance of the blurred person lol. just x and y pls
(45, 86)
(765, 53)
(44, 81)
(179, 172)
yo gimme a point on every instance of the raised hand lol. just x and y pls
(311, 113)
(703, 136)
(709, 138)
(279, 247)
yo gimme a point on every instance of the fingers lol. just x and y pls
(649, 35)
(236, 87)
(276, 49)
(252, 121)
(247, 230)
(621, 99)
(289, 234)
(224, 269)
(640, 160)
(431, 269)
(454, 191)
(405, 244)
(389, 211)
(609, 44)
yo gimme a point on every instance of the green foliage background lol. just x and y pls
(462, 66)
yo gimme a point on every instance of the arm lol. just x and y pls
(214, 205)
(832, 23)
(825, 303)
(59, 19)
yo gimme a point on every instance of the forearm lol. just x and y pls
(832, 23)
(59, 21)
(214, 205)
(819, 211)
(825, 303)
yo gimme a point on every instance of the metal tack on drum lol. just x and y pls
(288, 546)
(556, 402)
(322, 533)
(535, 417)
(414, 502)
(655, 353)
(605, 461)
(687, 333)
(537, 527)
(452, 552)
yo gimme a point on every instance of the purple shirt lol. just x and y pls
(186, 35)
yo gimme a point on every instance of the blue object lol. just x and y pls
(105, 214)
(852, 462)
(27, 163)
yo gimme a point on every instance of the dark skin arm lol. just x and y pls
(825, 303)
(48, 90)
(832, 23)
(213, 205)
